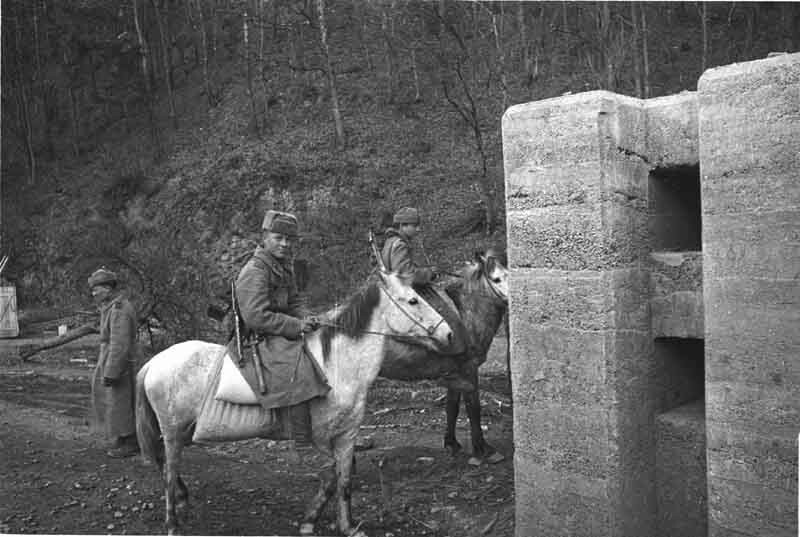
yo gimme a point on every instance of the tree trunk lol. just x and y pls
(523, 42)
(26, 351)
(337, 116)
(249, 73)
(212, 102)
(645, 56)
(144, 52)
(163, 31)
(501, 59)
(146, 73)
(24, 108)
(637, 68)
(417, 94)
(386, 24)
(74, 112)
(702, 8)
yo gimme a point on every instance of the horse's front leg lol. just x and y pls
(480, 447)
(327, 486)
(452, 405)
(343, 450)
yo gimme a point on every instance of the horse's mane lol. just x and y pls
(353, 317)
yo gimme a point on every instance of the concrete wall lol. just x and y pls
(750, 166)
(681, 471)
(611, 295)
(589, 379)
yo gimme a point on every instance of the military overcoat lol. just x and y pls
(117, 360)
(398, 256)
(271, 309)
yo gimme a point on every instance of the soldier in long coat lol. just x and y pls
(398, 256)
(270, 306)
(114, 376)
(398, 252)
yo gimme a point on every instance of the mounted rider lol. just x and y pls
(398, 252)
(270, 306)
(398, 256)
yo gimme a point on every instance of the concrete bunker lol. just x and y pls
(654, 304)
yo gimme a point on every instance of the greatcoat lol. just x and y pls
(113, 405)
(271, 310)
(398, 256)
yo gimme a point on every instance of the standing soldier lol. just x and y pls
(270, 306)
(114, 376)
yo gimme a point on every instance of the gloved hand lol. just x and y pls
(310, 324)
(423, 276)
(108, 381)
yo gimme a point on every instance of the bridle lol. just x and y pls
(430, 330)
(490, 283)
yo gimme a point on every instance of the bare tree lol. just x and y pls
(702, 9)
(469, 113)
(23, 104)
(645, 55)
(337, 115)
(249, 72)
(163, 32)
(637, 69)
(144, 53)
(387, 29)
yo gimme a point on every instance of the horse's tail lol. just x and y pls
(148, 431)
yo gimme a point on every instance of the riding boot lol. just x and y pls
(300, 424)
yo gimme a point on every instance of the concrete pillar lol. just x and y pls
(749, 121)
(586, 373)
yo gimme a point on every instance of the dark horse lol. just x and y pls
(481, 297)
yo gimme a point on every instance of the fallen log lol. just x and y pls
(26, 351)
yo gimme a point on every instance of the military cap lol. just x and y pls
(102, 276)
(406, 215)
(280, 222)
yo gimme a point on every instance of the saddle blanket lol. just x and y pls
(291, 375)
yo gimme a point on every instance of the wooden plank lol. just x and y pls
(9, 325)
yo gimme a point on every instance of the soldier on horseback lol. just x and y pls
(398, 256)
(270, 304)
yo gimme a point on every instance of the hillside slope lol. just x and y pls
(181, 225)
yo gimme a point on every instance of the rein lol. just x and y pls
(429, 329)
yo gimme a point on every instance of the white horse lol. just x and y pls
(350, 350)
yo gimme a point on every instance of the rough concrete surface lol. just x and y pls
(749, 160)
(681, 471)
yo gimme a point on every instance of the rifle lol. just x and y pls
(256, 355)
(375, 251)
(236, 324)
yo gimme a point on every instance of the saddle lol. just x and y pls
(288, 375)
(234, 407)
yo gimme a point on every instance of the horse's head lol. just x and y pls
(489, 271)
(409, 317)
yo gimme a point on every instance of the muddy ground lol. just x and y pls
(56, 479)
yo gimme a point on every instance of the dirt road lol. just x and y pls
(55, 478)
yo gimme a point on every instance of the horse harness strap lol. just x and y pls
(429, 329)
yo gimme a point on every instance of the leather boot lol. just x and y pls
(300, 424)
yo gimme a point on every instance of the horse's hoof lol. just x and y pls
(453, 447)
(306, 528)
(495, 457)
